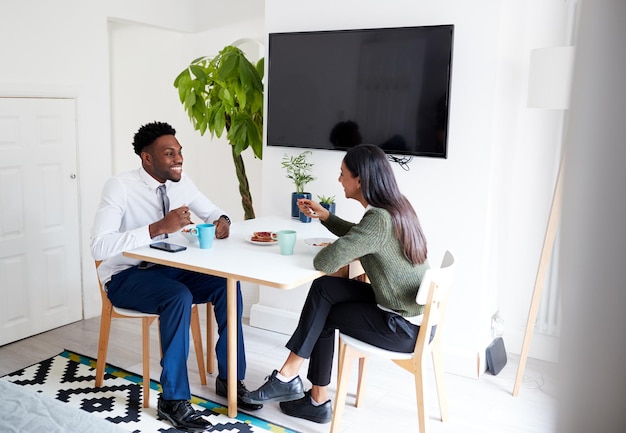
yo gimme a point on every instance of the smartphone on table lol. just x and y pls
(166, 246)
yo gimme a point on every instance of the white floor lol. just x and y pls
(483, 405)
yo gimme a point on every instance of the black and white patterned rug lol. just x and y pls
(69, 378)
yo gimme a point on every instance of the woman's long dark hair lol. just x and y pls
(380, 189)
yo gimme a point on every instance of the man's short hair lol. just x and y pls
(148, 133)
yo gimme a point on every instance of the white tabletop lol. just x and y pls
(236, 257)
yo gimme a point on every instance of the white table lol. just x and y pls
(237, 259)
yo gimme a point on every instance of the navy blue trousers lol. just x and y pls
(170, 293)
(349, 306)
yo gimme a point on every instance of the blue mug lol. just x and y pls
(205, 233)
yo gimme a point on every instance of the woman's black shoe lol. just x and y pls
(275, 390)
(182, 416)
(303, 408)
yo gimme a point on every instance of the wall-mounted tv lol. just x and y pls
(385, 86)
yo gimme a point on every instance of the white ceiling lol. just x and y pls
(209, 14)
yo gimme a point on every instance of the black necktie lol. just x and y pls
(165, 201)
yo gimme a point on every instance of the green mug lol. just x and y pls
(286, 241)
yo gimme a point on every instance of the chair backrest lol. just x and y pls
(106, 304)
(433, 293)
(443, 276)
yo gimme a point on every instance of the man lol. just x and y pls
(135, 211)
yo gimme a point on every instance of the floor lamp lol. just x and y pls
(548, 87)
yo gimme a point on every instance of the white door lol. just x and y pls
(40, 285)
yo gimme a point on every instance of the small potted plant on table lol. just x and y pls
(299, 171)
(328, 202)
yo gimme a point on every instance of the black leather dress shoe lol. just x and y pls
(275, 390)
(221, 389)
(303, 408)
(182, 415)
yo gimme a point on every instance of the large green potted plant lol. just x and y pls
(225, 92)
(298, 169)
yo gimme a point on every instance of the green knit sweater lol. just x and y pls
(394, 279)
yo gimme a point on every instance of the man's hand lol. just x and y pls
(172, 222)
(222, 228)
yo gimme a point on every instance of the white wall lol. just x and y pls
(47, 51)
(145, 60)
(487, 202)
(64, 48)
(526, 147)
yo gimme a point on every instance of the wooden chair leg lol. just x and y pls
(360, 390)
(196, 334)
(145, 336)
(103, 344)
(442, 393)
(346, 356)
(210, 345)
(420, 397)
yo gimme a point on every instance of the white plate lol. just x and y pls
(249, 239)
(314, 243)
(191, 238)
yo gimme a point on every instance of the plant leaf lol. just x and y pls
(183, 76)
(190, 100)
(199, 59)
(241, 95)
(199, 72)
(227, 66)
(260, 68)
(226, 92)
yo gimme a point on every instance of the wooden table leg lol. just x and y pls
(231, 317)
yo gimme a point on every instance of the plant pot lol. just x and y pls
(295, 211)
(329, 206)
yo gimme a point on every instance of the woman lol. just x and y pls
(392, 249)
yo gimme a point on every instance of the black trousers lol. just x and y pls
(349, 306)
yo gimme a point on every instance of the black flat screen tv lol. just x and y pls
(385, 86)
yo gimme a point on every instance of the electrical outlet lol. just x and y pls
(497, 325)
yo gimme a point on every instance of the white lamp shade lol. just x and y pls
(550, 77)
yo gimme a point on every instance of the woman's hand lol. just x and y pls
(313, 209)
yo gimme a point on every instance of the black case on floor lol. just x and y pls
(496, 356)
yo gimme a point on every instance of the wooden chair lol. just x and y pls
(109, 311)
(433, 293)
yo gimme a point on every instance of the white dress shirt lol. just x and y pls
(130, 202)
